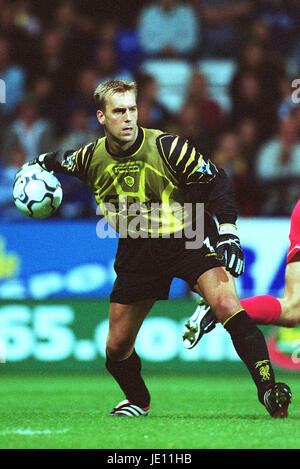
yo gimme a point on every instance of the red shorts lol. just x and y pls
(294, 233)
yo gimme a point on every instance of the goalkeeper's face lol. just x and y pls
(120, 118)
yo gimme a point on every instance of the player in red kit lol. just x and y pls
(263, 309)
(285, 311)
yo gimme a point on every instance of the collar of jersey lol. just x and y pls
(133, 149)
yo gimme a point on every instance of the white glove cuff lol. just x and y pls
(227, 228)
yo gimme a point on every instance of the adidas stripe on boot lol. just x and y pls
(126, 408)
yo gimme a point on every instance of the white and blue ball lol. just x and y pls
(37, 193)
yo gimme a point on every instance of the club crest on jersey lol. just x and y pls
(129, 181)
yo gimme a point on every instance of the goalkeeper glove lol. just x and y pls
(229, 249)
(37, 163)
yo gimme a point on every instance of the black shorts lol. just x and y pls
(146, 267)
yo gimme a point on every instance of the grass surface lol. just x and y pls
(210, 411)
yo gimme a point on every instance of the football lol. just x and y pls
(37, 193)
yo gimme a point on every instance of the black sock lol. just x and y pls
(250, 345)
(127, 373)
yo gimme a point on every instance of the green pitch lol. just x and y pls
(210, 411)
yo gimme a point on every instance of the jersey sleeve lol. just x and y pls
(200, 177)
(71, 162)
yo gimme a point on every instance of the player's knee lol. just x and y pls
(118, 349)
(293, 319)
(225, 306)
(291, 322)
(292, 315)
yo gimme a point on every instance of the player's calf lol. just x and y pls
(127, 373)
(250, 345)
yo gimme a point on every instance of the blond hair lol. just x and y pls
(108, 88)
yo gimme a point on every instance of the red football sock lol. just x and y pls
(263, 309)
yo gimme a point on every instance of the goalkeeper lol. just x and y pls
(145, 167)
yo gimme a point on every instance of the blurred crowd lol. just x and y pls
(53, 54)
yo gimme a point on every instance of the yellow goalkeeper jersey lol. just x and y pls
(148, 188)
